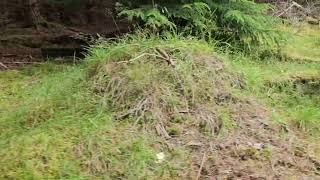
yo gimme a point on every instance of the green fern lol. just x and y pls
(151, 17)
(241, 23)
(197, 18)
(247, 24)
(193, 18)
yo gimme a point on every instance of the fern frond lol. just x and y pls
(242, 23)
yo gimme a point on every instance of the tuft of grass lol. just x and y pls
(228, 123)
(141, 85)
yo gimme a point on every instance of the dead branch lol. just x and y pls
(294, 4)
(166, 57)
(8, 55)
(140, 107)
(3, 65)
(138, 57)
(162, 55)
(24, 63)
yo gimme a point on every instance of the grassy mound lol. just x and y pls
(161, 83)
(194, 101)
(150, 108)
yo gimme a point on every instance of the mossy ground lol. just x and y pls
(54, 124)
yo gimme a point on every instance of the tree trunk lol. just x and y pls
(33, 13)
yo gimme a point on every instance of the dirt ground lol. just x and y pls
(253, 151)
(64, 27)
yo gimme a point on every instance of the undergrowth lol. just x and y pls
(238, 25)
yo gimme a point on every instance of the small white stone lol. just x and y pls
(160, 157)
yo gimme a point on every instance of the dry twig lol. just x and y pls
(166, 57)
(3, 65)
(23, 63)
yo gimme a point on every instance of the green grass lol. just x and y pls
(53, 127)
(290, 105)
(305, 44)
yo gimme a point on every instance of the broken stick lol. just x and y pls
(3, 65)
(166, 57)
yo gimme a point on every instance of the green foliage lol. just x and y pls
(151, 16)
(195, 18)
(247, 23)
(242, 23)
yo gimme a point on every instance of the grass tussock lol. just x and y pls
(157, 81)
(182, 91)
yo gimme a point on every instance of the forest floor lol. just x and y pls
(60, 121)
